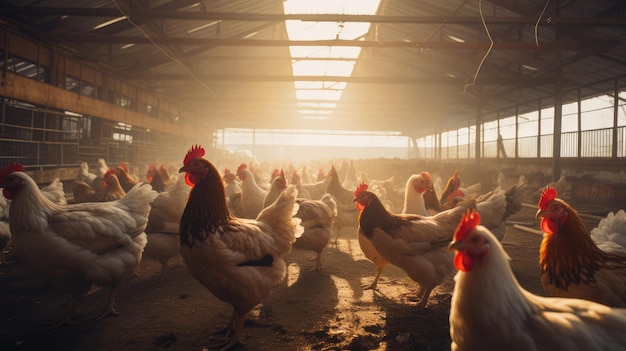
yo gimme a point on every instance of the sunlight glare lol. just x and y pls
(346, 56)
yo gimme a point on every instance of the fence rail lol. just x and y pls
(596, 143)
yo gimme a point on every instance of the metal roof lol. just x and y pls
(419, 70)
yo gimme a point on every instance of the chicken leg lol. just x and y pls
(232, 336)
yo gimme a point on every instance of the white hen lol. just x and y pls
(491, 311)
(77, 245)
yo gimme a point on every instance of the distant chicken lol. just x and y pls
(252, 195)
(112, 189)
(163, 224)
(571, 264)
(80, 244)
(239, 260)
(232, 186)
(416, 186)
(347, 214)
(89, 178)
(491, 311)
(127, 181)
(314, 191)
(159, 178)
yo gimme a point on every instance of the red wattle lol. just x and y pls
(7, 193)
(463, 262)
(548, 226)
(189, 180)
(360, 206)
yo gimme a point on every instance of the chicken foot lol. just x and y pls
(318, 263)
(67, 319)
(421, 297)
(108, 310)
(374, 285)
(232, 334)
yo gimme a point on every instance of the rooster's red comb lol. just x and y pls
(110, 171)
(124, 166)
(548, 194)
(242, 166)
(13, 167)
(359, 189)
(426, 175)
(194, 152)
(469, 221)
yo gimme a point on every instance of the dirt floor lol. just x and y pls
(327, 310)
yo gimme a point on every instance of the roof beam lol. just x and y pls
(262, 17)
(451, 45)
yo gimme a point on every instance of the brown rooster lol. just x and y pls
(571, 264)
(239, 260)
(127, 181)
(413, 243)
(159, 178)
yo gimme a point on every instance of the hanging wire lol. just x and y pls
(172, 57)
(482, 18)
(539, 20)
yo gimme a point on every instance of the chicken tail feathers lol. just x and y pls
(138, 199)
(265, 261)
(280, 216)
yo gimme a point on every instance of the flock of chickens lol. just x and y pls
(233, 232)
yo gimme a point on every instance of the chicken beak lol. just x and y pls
(539, 214)
(182, 169)
(455, 245)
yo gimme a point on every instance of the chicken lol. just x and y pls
(239, 260)
(347, 214)
(231, 184)
(80, 244)
(610, 234)
(112, 189)
(163, 224)
(416, 186)
(101, 168)
(252, 195)
(54, 192)
(416, 244)
(316, 218)
(277, 186)
(571, 264)
(491, 311)
(127, 181)
(88, 178)
(495, 206)
(159, 178)
(297, 182)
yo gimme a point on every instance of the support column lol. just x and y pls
(558, 121)
(479, 122)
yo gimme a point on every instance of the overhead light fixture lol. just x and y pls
(126, 46)
(207, 25)
(530, 67)
(108, 23)
(457, 39)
